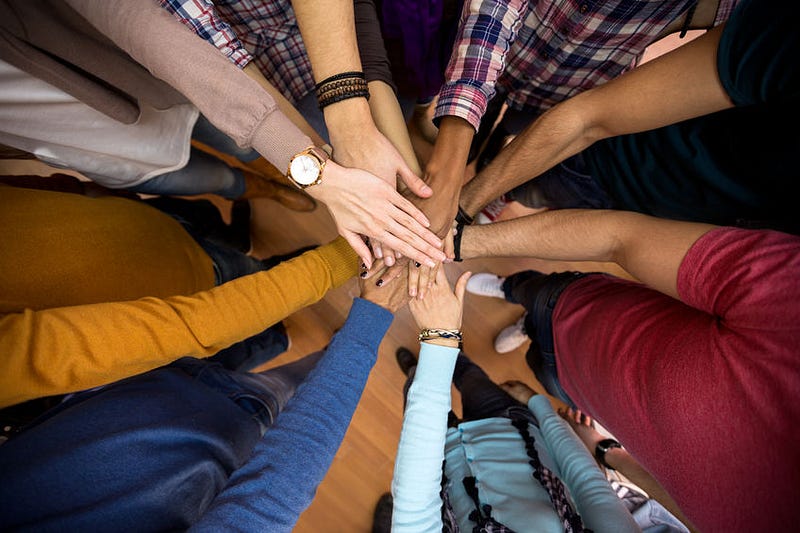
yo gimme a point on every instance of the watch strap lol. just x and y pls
(602, 447)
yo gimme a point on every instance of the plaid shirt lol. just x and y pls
(541, 53)
(253, 30)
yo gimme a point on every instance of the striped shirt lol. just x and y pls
(540, 53)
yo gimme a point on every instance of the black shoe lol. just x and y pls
(275, 260)
(382, 518)
(405, 359)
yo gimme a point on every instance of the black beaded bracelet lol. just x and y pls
(326, 101)
(341, 76)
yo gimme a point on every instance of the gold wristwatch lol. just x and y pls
(305, 168)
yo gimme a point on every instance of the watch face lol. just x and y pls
(304, 169)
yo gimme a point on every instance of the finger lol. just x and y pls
(426, 242)
(377, 248)
(409, 208)
(414, 182)
(401, 219)
(413, 278)
(377, 267)
(426, 278)
(461, 286)
(358, 247)
(390, 275)
(427, 255)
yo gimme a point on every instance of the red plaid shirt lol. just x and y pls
(253, 30)
(540, 53)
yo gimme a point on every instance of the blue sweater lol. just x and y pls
(277, 484)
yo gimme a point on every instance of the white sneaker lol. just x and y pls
(492, 211)
(512, 337)
(486, 284)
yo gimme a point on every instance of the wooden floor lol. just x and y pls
(362, 469)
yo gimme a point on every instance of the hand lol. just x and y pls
(583, 426)
(358, 144)
(443, 307)
(391, 298)
(518, 390)
(362, 204)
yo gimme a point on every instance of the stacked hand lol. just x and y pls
(443, 307)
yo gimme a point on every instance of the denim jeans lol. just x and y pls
(202, 221)
(158, 446)
(204, 173)
(538, 293)
(565, 186)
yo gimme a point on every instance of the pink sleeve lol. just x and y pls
(233, 102)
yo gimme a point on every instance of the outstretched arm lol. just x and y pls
(674, 87)
(67, 349)
(649, 248)
(279, 482)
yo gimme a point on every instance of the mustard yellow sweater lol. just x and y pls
(49, 347)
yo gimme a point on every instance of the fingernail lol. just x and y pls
(363, 274)
(417, 264)
(412, 292)
(379, 282)
(363, 265)
(430, 263)
(426, 189)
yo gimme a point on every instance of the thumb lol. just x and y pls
(461, 286)
(414, 182)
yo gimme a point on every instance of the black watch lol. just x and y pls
(602, 447)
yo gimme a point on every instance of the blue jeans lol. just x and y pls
(538, 293)
(202, 221)
(565, 186)
(204, 173)
(148, 453)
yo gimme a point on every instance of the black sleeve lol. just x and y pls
(758, 54)
(374, 59)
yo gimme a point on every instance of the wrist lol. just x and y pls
(347, 116)
(603, 449)
(447, 343)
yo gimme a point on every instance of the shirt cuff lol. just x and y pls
(435, 366)
(341, 259)
(461, 100)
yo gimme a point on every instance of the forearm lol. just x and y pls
(283, 104)
(418, 466)
(651, 249)
(57, 351)
(233, 102)
(277, 484)
(684, 83)
(389, 120)
(620, 460)
(444, 173)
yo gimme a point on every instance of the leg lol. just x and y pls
(205, 132)
(480, 396)
(539, 293)
(254, 351)
(203, 174)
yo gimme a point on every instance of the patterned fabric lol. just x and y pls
(540, 53)
(252, 30)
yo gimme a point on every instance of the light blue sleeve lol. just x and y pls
(418, 466)
(599, 507)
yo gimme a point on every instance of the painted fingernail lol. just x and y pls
(417, 264)
(363, 274)
(363, 265)
(379, 282)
